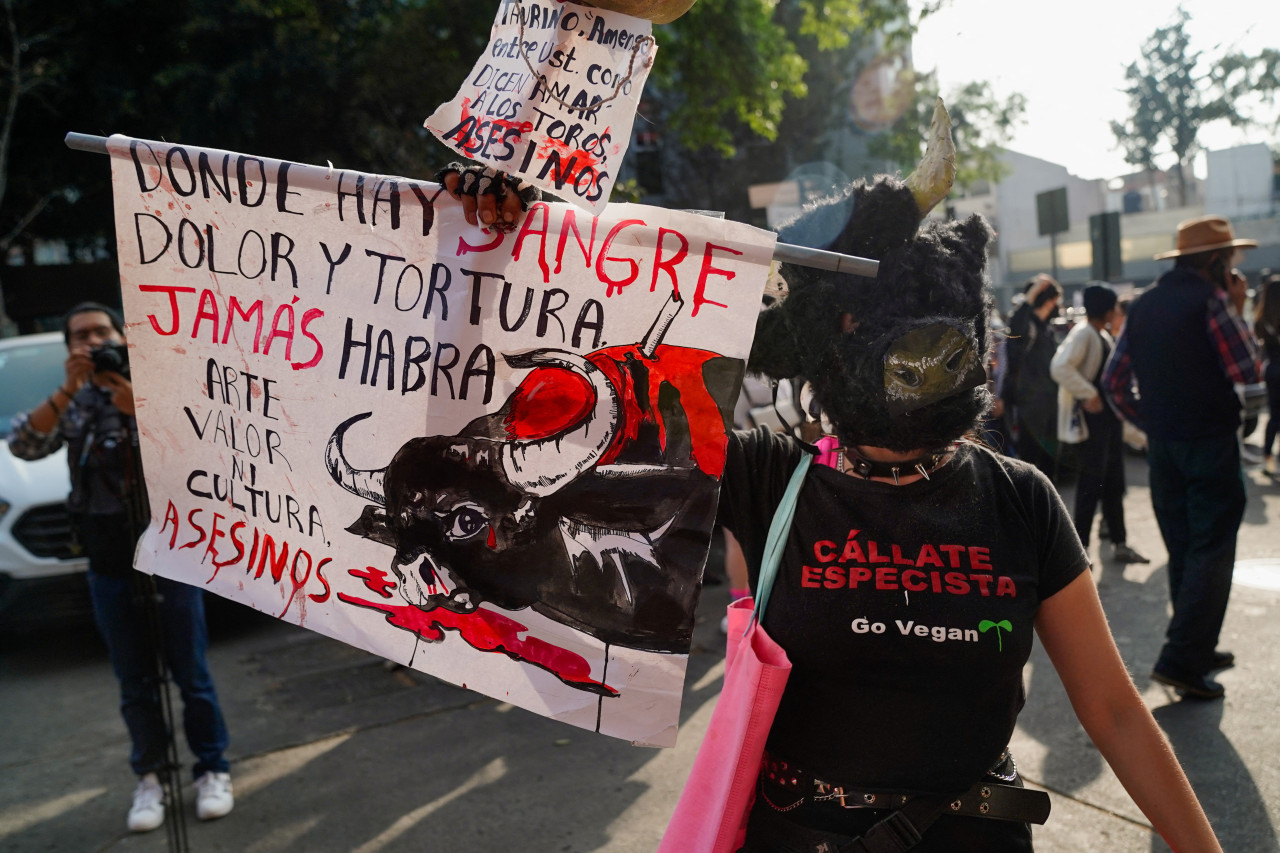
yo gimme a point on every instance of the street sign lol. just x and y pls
(1051, 211)
(1104, 235)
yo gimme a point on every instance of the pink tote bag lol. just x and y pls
(711, 816)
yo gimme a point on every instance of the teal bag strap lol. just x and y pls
(778, 530)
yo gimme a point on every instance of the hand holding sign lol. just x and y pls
(490, 199)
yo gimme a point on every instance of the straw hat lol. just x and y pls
(1204, 234)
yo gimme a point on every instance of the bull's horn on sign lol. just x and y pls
(931, 181)
(366, 484)
(544, 466)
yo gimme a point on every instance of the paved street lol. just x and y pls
(335, 751)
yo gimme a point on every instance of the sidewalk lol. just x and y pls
(335, 751)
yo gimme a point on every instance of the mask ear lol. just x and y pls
(974, 235)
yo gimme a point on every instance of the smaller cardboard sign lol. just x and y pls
(553, 97)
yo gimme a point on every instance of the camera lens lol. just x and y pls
(112, 357)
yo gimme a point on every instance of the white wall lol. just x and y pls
(1238, 183)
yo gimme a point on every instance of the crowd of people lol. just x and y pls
(1174, 367)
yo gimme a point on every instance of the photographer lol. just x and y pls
(91, 413)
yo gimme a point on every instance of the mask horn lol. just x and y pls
(931, 181)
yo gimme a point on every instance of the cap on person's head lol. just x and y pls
(1204, 234)
(117, 322)
(1098, 300)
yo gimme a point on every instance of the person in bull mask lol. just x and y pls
(919, 565)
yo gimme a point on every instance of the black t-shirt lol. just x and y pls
(906, 611)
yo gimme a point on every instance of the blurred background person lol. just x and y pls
(92, 413)
(1266, 326)
(1085, 419)
(1029, 351)
(1174, 370)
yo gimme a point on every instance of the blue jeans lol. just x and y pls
(1198, 494)
(118, 611)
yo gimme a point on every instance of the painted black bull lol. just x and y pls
(587, 496)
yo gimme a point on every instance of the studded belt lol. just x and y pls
(987, 798)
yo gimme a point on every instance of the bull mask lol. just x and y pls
(904, 370)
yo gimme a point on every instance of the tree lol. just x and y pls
(1251, 83)
(1174, 92)
(350, 81)
(745, 61)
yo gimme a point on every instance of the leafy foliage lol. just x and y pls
(1251, 81)
(727, 60)
(350, 81)
(1174, 91)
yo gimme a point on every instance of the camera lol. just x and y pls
(111, 357)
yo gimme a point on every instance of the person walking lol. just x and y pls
(1028, 386)
(91, 414)
(1085, 419)
(918, 566)
(1266, 326)
(1184, 347)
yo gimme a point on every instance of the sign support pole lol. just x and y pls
(784, 252)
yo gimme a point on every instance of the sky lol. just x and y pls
(1068, 59)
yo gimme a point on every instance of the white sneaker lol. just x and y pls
(147, 811)
(213, 795)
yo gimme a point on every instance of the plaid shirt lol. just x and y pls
(98, 438)
(1238, 354)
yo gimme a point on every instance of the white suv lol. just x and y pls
(41, 570)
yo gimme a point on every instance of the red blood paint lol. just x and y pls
(464, 114)
(680, 367)
(375, 579)
(492, 541)
(550, 400)
(490, 632)
(574, 159)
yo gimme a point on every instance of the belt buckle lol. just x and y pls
(825, 792)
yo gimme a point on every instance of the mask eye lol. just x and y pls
(956, 361)
(906, 376)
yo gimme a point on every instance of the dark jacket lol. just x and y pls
(1184, 392)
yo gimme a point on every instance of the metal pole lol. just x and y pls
(785, 252)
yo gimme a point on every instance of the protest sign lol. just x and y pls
(491, 457)
(553, 97)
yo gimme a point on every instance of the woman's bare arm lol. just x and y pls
(1074, 631)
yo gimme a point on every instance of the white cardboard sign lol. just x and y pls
(492, 457)
(553, 97)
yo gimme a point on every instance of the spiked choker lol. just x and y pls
(853, 462)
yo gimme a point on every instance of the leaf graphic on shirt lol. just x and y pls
(1003, 625)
